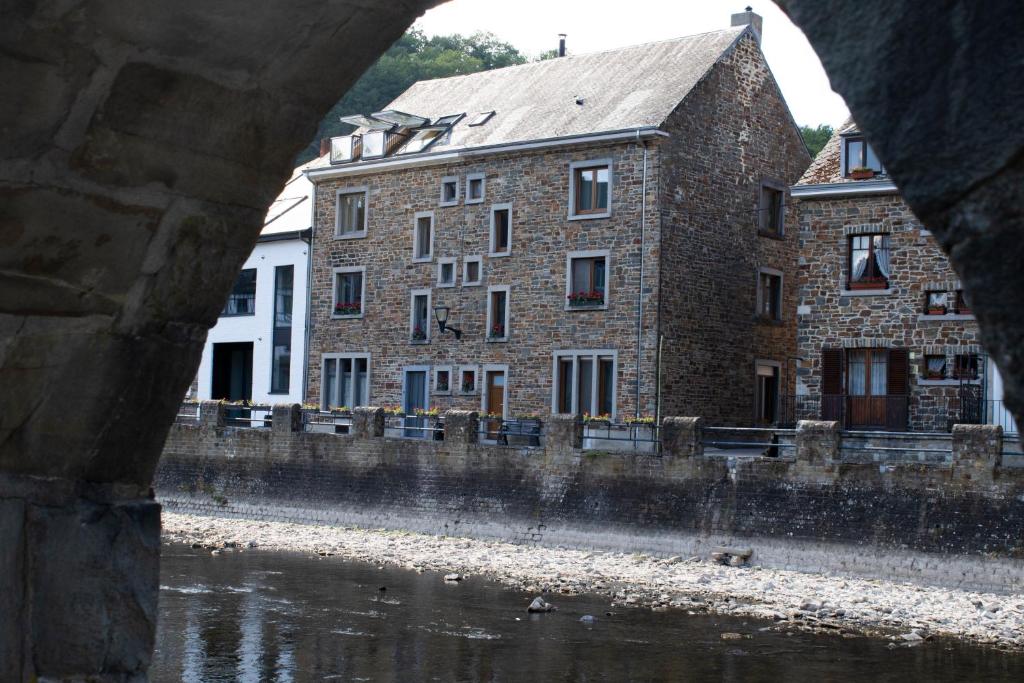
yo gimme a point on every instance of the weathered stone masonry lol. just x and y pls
(695, 239)
(955, 525)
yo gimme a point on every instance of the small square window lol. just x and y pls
(449, 191)
(965, 366)
(934, 367)
(442, 380)
(936, 303)
(467, 380)
(859, 160)
(769, 295)
(472, 271)
(242, 300)
(474, 188)
(446, 272)
(587, 280)
(348, 292)
(501, 230)
(592, 189)
(419, 316)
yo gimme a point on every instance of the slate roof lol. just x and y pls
(825, 167)
(621, 89)
(290, 211)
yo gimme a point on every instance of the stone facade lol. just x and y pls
(683, 255)
(834, 316)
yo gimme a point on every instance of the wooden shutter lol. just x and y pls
(831, 384)
(897, 389)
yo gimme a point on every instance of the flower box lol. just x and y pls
(936, 310)
(862, 173)
(585, 299)
(419, 334)
(348, 309)
(497, 332)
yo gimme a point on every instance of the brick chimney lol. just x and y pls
(325, 146)
(749, 17)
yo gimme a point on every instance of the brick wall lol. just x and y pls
(712, 250)
(952, 525)
(833, 316)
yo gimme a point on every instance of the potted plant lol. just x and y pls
(934, 374)
(497, 332)
(419, 334)
(350, 308)
(591, 298)
(468, 386)
(862, 173)
(936, 309)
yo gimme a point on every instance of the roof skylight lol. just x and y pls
(400, 118)
(481, 118)
(365, 121)
(449, 120)
(423, 139)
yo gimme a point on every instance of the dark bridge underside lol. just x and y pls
(139, 146)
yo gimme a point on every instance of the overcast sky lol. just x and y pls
(533, 27)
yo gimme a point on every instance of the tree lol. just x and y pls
(815, 138)
(413, 57)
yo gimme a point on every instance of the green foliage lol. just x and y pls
(815, 138)
(414, 57)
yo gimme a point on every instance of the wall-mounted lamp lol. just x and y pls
(441, 315)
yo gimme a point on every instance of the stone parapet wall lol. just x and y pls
(808, 512)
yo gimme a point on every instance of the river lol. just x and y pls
(274, 616)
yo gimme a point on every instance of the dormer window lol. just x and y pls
(373, 143)
(344, 148)
(481, 118)
(858, 156)
(421, 140)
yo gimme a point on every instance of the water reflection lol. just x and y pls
(260, 616)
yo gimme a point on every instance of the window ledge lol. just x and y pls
(499, 254)
(278, 393)
(924, 317)
(771, 235)
(477, 283)
(237, 315)
(351, 235)
(351, 316)
(445, 286)
(588, 216)
(948, 382)
(446, 392)
(419, 341)
(423, 259)
(600, 307)
(497, 340)
(475, 201)
(761, 320)
(447, 204)
(866, 292)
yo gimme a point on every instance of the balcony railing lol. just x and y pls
(519, 432)
(924, 413)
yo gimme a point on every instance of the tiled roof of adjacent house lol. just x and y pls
(614, 90)
(825, 167)
(290, 211)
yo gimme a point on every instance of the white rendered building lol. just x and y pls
(256, 350)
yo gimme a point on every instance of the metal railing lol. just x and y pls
(641, 437)
(252, 416)
(516, 432)
(414, 427)
(919, 412)
(330, 421)
(753, 441)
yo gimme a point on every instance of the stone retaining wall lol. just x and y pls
(953, 525)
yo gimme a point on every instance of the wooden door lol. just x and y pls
(867, 381)
(495, 400)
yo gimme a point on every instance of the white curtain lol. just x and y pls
(879, 373)
(882, 255)
(857, 374)
(937, 364)
(860, 264)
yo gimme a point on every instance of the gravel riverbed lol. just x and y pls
(848, 607)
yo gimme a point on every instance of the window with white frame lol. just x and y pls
(446, 271)
(349, 289)
(350, 212)
(346, 380)
(498, 313)
(419, 316)
(423, 236)
(468, 377)
(501, 230)
(475, 188)
(449, 191)
(586, 279)
(584, 383)
(769, 294)
(590, 189)
(443, 379)
(472, 271)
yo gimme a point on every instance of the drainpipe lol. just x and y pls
(309, 295)
(640, 290)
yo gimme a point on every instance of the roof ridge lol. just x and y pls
(736, 29)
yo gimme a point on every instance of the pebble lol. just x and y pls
(861, 606)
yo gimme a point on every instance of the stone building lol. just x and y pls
(886, 337)
(607, 232)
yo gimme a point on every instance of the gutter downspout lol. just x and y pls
(640, 289)
(309, 295)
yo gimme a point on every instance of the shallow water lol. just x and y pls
(272, 616)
